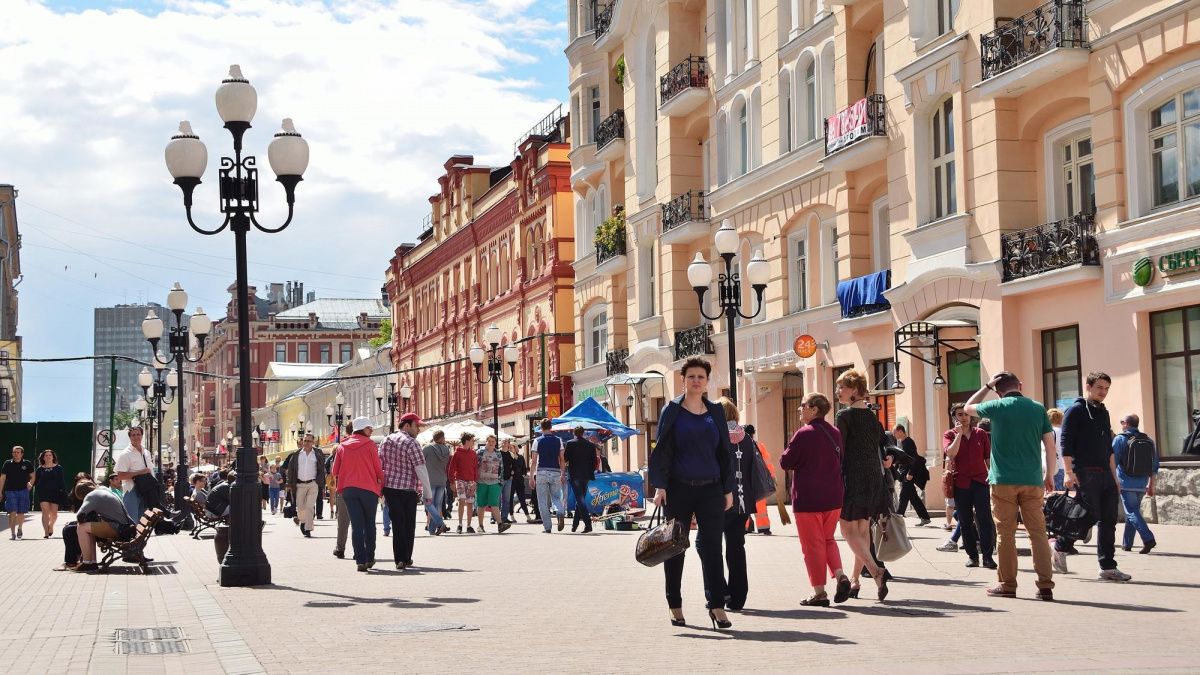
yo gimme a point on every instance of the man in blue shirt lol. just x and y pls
(1133, 488)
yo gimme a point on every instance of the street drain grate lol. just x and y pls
(409, 628)
(159, 640)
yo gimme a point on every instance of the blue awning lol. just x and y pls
(864, 295)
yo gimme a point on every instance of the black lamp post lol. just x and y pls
(245, 564)
(729, 286)
(158, 390)
(336, 417)
(495, 368)
(179, 347)
(393, 401)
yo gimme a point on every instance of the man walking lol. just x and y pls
(305, 475)
(915, 476)
(580, 456)
(15, 484)
(1087, 450)
(507, 467)
(437, 458)
(131, 462)
(969, 447)
(1131, 448)
(405, 483)
(1020, 434)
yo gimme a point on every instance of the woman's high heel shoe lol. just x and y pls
(883, 589)
(677, 620)
(718, 623)
(854, 591)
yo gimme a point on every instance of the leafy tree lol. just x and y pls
(385, 334)
(123, 418)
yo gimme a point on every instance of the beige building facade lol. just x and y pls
(942, 189)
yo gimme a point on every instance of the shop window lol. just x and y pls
(1175, 149)
(1062, 376)
(1175, 353)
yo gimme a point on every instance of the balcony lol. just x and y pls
(1052, 246)
(610, 251)
(685, 88)
(684, 218)
(856, 136)
(610, 137)
(1033, 49)
(863, 295)
(602, 18)
(614, 361)
(694, 342)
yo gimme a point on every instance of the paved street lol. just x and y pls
(564, 603)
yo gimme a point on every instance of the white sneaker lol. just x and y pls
(1113, 575)
(948, 547)
(1059, 561)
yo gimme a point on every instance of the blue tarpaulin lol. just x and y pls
(588, 410)
(864, 295)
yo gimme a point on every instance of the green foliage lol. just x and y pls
(619, 71)
(610, 234)
(122, 418)
(385, 334)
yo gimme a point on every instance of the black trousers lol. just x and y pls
(908, 493)
(517, 496)
(402, 506)
(70, 536)
(320, 510)
(582, 515)
(974, 506)
(707, 504)
(1100, 491)
(738, 585)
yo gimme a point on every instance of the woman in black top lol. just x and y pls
(51, 485)
(580, 455)
(741, 465)
(690, 470)
(866, 495)
(520, 474)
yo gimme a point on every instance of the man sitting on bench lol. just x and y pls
(101, 515)
(216, 505)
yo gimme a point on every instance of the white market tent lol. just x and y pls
(454, 431)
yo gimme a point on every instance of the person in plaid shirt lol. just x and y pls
(405, 483)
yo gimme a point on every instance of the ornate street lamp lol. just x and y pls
(179, 345)
(730, 288)
(245, 564)
(336, 418)
(158, 392)
(495, 368)
(392, 401)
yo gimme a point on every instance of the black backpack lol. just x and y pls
(1138, 460)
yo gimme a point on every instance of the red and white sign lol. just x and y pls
(847, 126)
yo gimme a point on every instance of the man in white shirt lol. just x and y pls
(305, 475)
(133, 461)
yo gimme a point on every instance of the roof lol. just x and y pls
(300, 371)
(337, 313)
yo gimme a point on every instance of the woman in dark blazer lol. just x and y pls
(690, 470)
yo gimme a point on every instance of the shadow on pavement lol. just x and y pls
(1110, 605)
(769, 636)
(795, 613)
(342, 601)
(928, 609)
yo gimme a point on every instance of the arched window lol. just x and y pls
(785, 109)
(808, 100)
(740, 146)
(595, 326)
(722, 148)
(828, 81)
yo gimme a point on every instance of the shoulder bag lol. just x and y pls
(662, 541)
(891, 537)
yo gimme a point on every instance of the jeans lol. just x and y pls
(403, 505)
(975, 519)
(908, 493)
(707, 504)
(549, 489)
(1007, 500)
(1132, 501)
(1058, 479)
(133, 504)
(1099, 490)
(506, 499)
(274, 496)
(360, 506)
(579, 488)
(387, 517)
(433, 510)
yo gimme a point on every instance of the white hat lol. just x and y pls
(361, 423)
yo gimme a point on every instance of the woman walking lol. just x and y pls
(741, 466)
(690, 469)
(520, 474)
(488, 485)
(51, 484)
(815, 456)
(866, 493)
(359, 475)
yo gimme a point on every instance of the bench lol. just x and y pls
(130, 550)
(204, 519)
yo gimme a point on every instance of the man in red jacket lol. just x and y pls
(463, 471)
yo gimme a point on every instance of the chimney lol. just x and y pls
(384, 293)
(252, 303)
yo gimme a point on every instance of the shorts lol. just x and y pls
(103, 530)
(487, 494)
(465, 491)
(16, 501)
(950, 503)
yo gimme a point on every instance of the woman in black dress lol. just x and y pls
(690, 470)
(866, 493)
(51, 485)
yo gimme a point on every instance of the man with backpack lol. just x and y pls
(1137, 468)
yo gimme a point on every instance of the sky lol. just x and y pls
(383, 90)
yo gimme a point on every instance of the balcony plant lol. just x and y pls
(619, 71)
(610, 235)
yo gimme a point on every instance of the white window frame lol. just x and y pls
(596, 109)
(827, 84)
(881, 233)
(830, 236)
(943, 16)
(787, 113)
(1073, 194)
(808, 99)
(595, 334)
(943, 169)
(1136, 115)
(1177, 128)
(588, 19)
(798, 269)
(1052, 183)
(647, 286)
(739, 137)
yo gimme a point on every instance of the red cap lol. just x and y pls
(412, 417)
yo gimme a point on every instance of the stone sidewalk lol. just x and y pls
(525, 601)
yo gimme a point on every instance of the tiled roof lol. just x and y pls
(336, 313)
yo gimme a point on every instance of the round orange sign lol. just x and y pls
(805, 346)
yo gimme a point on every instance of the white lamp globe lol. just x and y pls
(510, 354)
(152, 326)
(758, 271)
(476, 354)
(288, 151)
(492, 335)
(199, 323)
(145, 379)
(177, 298)
(727, 238)
(237, 101)
(185, 154)
(699, 274)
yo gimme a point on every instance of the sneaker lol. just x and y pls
(401, 566)
(948, 547)
(999, 591)
(1045, 594)
(362, 568)
(504, 527)
(1127, 548)
(972, 562)
(1113, 575)
(460, 529)
(924, 522)
(1148, 546)
(387, 533)
(1058, 560)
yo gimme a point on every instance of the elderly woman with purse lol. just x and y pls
(814, 455)
(866, 493)
(690, 469)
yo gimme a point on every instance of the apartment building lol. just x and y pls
(494, 252)
(11, 372)
(942, 190)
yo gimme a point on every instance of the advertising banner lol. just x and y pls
(625, 489)
(846, 126)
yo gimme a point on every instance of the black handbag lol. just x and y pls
(289, 511)
(1068, 516)
(662, 541)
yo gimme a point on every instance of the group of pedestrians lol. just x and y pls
(21, 482)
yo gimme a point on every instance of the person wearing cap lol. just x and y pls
(360, 482)
(405, 483)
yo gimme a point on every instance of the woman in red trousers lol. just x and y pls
(814, 455)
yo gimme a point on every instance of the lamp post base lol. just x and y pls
(245, 573)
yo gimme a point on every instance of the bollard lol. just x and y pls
(221, 542)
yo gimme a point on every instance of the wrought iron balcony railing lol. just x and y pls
(602, 13)
(610, 129)
(607, 250)
(1052, 246)
(689, 73)
(682, 209)
(865, 118)
(614, 361)
(694, 342)
(1059, 23)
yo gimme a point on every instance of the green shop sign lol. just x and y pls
(599, 393)
(1169, 264)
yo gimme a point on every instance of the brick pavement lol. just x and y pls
(560, 603)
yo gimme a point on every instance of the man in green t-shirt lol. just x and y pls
(1021, 438)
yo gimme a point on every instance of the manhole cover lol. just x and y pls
(407, 628)
(158, 640)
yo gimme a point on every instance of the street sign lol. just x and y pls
(805, 346)
(105, 438)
